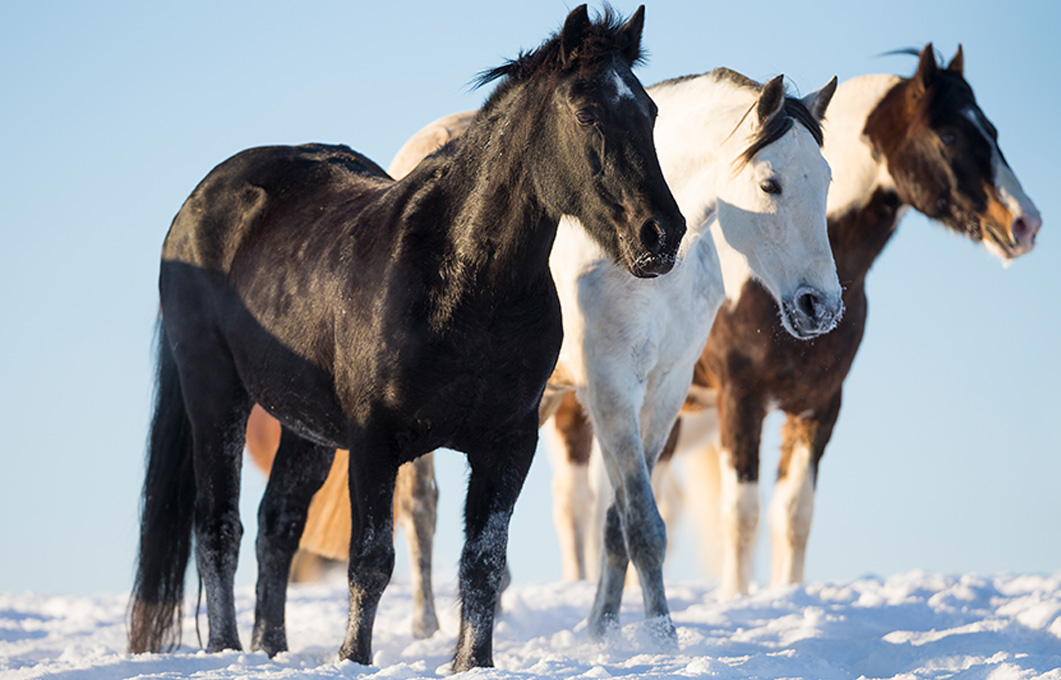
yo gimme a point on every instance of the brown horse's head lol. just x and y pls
(944, 156)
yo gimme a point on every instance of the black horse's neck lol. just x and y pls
(477, 201)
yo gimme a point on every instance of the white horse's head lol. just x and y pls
(745, 160)
(770, 217)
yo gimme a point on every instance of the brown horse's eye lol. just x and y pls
(585, 117)
(948, 138)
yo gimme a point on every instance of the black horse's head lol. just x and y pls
(591, 149)
(944, 156)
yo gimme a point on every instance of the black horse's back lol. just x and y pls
(233, 199)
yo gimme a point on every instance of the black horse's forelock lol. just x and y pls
(603, 38)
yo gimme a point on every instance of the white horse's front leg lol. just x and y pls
(634, 530)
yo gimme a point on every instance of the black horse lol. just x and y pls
(389, 318)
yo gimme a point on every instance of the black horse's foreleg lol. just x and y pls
(373, 471)
(496, 479)
(298, 471)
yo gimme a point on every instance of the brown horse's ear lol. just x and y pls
(926, 67)
(632, 30)
(572, 33)
(771, 99)
(957, 63)
(817, 102)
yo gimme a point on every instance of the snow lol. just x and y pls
(914, 625)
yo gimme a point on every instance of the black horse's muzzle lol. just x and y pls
(660, 247)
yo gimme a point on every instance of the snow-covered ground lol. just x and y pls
(914, 625)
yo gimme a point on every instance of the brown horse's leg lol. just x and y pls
(740, 428)
(804, 438)
(572, 502)
(416, 508)
(263, 438)
(297, 472)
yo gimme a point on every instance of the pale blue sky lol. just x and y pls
(946, 454)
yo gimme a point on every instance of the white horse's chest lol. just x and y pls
(633, 329)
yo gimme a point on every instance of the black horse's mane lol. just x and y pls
(602, 38)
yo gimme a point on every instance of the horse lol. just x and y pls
(744, 163)
(327, 532)
(388, 318)
(893, 143)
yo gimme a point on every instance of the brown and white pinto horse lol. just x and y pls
(892, 143)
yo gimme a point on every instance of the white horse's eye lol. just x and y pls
(771, 186)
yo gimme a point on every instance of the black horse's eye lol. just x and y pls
(585, 117)
(948, 138)
(771, 186)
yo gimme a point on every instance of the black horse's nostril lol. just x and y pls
(652, 237)
(810, 304)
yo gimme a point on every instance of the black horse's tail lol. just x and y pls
(166, 512)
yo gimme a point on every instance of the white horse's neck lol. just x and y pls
(695, 136)
(857, 171)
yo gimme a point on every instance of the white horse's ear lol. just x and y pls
(771, 99)
(573, 31)
(957, 63)
(817, 102)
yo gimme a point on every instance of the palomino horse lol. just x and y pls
(744, 163)
(893, 142)
(383, 317)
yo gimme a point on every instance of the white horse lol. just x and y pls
(744, 162)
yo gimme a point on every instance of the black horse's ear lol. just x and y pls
(957, 63)
(926, 67)
(571, 35)
(817, 102)
(771, 99)
(632, 30)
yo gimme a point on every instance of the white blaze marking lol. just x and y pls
(1010, 192)
(622, 90)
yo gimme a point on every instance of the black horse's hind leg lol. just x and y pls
(373, 470)
(218, 407)
(497, 477)
(298, 471)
